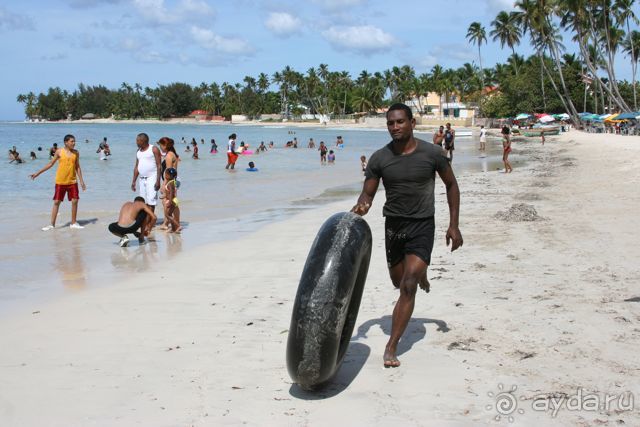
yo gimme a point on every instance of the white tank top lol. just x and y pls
(146, 162)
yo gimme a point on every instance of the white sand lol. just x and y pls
(540, 305)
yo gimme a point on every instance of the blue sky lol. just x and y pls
(65, 42)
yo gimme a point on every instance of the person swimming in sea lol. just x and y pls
(252, 167)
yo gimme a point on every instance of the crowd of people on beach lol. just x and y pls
(406, 167)
(155, 178)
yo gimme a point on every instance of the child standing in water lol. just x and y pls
(195, 149)
(331, 158)
(171, 203)
(363, 163)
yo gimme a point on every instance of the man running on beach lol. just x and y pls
(67, 176)
(133, 216)
(146, 171)
(407, 167)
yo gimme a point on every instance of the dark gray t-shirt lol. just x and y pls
(408, 179)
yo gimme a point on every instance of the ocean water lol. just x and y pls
(216, 204)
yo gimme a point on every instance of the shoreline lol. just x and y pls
(187, 121)
(537, 304)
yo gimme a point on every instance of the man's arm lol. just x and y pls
(158, 157)
(135, 176)
(79, 171)
(150, 213)
(453, 199)
(366, 197)
(48, 166)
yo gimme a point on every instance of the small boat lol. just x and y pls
(464, 133)
(551, 130)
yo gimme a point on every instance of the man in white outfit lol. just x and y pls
(146, 172)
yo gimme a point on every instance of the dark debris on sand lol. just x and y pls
(519, 212)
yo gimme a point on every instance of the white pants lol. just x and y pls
(146, 189)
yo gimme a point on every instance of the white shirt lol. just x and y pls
(231, 145)
(147, 162)
(483, 133)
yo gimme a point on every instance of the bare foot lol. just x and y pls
(178, 230)
(390, 359)
(424, 284)
(163, 227)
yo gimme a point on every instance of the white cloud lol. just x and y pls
(151, 57)
(54, 57)
(338, 4)
(156, 12)
(195, 7)
(86, 4)
(10, 21)
(428, 61)
(209, 40)
(495, 6)
(456, 51)
(283, 23)
(364, 39)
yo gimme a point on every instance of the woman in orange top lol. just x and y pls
(66, 180)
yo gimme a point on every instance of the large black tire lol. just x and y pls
(328, 299)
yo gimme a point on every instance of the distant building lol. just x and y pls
(200, 115)
(433, 105)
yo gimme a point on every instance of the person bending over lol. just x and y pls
(133, 216)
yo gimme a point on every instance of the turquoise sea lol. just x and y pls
(216, 204)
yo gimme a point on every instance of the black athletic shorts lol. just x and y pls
(120, 231)
(405, 236)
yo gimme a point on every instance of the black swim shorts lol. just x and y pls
(405, 236)
(120, 231)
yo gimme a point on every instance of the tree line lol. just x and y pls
(600, 28)
(552, 80)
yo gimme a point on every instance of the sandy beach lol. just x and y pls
(544, 296)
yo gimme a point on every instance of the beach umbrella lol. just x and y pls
(522, 116)
(582, 115)
(612, 119)
(546, 119)
(627, 116)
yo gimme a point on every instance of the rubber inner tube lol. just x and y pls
(328, 298)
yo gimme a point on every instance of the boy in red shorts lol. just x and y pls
(67, 176)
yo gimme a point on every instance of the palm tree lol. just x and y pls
(624, 14)
(476, 34)
(505, 29)
(631, 47)
(591, 22)
(535, 17)
(437, 77)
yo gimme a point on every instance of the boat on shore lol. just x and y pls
(548, 130)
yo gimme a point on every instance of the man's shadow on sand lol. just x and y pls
(416, 330)
(358, 353)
